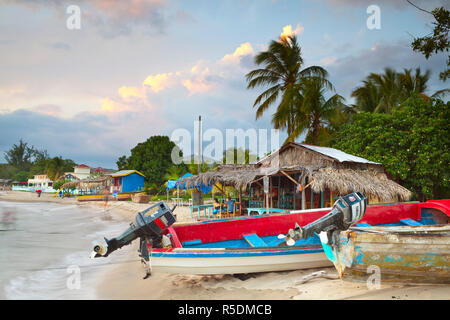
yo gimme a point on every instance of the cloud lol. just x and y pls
(244, 49)
(287, 31)
(328, 60)
(60, 46)
(48, 109)
(160, 81)
(114, 17)
(130, 93)
(399, 5)
(348, 72)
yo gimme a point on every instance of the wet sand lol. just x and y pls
(125, 281)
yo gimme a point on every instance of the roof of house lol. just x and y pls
(123, 173)
(81, 166)
(336, 154)
(100, 169)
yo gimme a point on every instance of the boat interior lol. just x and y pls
(263, 231)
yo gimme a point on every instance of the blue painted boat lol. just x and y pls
(252, 244)
(408, 251)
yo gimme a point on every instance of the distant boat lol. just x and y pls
(249, 245)
(101, 197)
(413, 249)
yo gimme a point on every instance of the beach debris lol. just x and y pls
(317, 274)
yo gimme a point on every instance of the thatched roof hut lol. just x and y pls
(311, 166)
(94, 183)
(238, 176)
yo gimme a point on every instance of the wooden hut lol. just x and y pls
(90, 186)
(302, 176)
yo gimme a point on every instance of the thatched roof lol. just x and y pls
(93, 183)
(327, 168)
(238, 176)
(369, 182)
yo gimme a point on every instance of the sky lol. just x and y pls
(139, 68)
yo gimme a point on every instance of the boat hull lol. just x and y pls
(236, 262)
(419, 254)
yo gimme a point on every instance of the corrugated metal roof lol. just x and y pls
(339, 155)
(125, 173)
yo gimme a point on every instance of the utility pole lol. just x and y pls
(199, 143)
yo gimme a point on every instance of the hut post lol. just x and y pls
(303, 194)
(240, 200)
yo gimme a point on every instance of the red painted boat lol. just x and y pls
(247, 245)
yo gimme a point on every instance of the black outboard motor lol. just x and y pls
(148, 226)
(346, 211)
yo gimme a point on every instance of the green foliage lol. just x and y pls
(281, 69)
(238, 156)
(413, 143)
(21, 155)
(58, 184)
(122, 163)
(386, 91)
(153, 158)
(438, 40)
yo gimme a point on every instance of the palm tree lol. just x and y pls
(316, 113)
(386, 91)
(281, 71)
(55, 168)
(173, 173)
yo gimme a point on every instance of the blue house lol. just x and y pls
(128, 181)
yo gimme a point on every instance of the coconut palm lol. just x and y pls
(56, 168)
(386, 91)
(281, 71)
(316, 113)
(174, 172)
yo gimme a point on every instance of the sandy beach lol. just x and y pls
(124, 281)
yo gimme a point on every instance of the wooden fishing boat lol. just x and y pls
(100, 197)
(252, 244)
(415, 249)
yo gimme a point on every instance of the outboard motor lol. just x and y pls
(346, 211)
(148, 226)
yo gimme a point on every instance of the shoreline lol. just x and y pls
(124, 281)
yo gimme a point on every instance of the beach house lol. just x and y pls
(40, 181)
(302, 176)
(127, 181)
(80, 172)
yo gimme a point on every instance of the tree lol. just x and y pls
(413, 143)
(20, 156)
(174, 173)
(122, 163)
(385, 92)
(57, 166)
(437, 41)
(152, 158)
(238, 156)
(314, 112)
(281, 70)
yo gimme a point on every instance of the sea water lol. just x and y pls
(45, 250)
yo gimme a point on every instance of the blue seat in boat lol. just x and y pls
(411, 222)
(254, 240)
(191, 243)
(363, 225)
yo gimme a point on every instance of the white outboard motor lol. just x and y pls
(346, 211)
